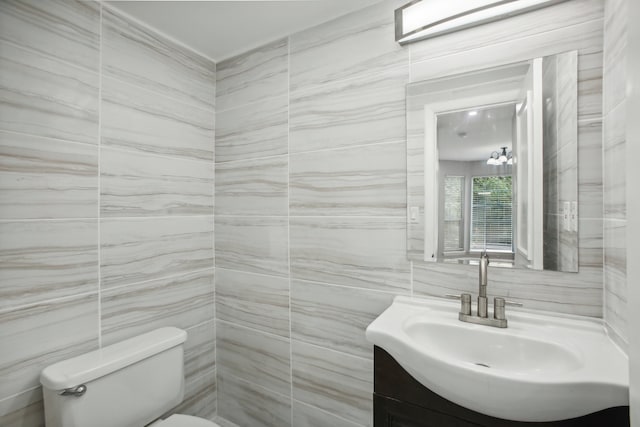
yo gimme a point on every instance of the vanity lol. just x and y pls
(401, 401)
(433, 370)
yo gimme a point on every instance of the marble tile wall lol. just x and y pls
(106, 195)
(614, 171)
(311, 204)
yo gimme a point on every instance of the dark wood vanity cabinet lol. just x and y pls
(401, 401)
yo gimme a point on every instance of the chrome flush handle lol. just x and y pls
(76, 391)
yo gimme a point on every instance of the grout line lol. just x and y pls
(152, 154)
(100, 23)
(333, 350)
(350, 147)
(197, 325)
(13, 396)
(27, 220)
(322, 150)
(317, 282)
(49, 56)
(54, 300)
(275, 156)
(271, 276)
(50, 138)
(252, 103)
(355, 288)
(170, 277)
(227, 372)
(289, 223)
(148, 90)
(370, 77)
(258, 331)
(402, 217)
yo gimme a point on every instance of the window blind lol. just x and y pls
(491, 214)
(453, 213)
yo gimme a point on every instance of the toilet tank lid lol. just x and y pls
(98, 363)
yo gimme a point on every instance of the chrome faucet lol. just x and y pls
(499, 319)
(482, 292)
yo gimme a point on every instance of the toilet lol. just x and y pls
(128, 384)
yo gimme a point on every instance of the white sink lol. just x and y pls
(542, 367)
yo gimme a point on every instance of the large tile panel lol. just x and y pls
(614, 175)
(133, 53)
(254, 130)
(252, 244)
(333, 381)
(590, 169)
(200, 350)
(140, 249)
(47, 178)
(368, 180)
(352, 46)
(246, 404)
(334, 316)
(253, 187)
(260, 358)
(45, 96)
(145, 121)
(253, 300)
(200, 397)
(136, 184)
(42, 260)
(39, 335)
(182, 302)
(363, 252)
(615, 276)
(349, 112)
(67, 30)
(615, 57)
(253, 76)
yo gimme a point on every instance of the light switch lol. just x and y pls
(566, 212)
(574, 216)
(414, 211)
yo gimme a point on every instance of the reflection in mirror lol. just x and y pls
(492, 159)
(475, 207)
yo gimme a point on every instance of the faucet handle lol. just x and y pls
(498, 308)
(465, 302)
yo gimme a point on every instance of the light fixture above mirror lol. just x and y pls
(422, 19)
(500, 158)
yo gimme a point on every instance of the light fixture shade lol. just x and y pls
(420, 19)
(503, 156)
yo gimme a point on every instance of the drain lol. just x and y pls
(483, 365)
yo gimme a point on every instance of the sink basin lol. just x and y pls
(543, 367)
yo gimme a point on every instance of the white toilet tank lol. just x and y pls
(130, 383)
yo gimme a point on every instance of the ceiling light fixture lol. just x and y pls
(419, 20)
(500, 158)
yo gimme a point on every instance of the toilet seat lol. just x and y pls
(180, 420)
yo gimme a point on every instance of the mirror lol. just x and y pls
(492, 165)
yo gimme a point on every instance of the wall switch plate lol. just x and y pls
(566, 212)
(414, 211)
(574, 216)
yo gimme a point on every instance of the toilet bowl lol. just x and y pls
(128, 384)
